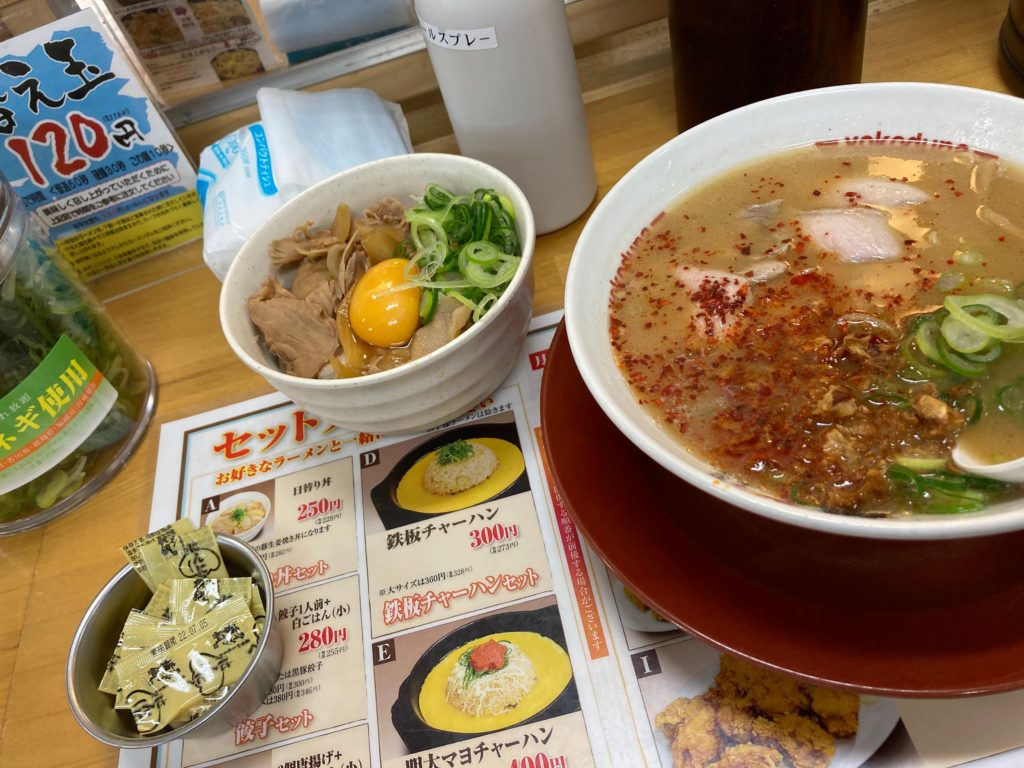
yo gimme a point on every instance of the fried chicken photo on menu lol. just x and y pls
(690, 725)
(754, 718)
(749, 756)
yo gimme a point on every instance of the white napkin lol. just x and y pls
(302, 138)
(315, 135)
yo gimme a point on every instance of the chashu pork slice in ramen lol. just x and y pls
(884, 193)
(855, 235)
(719, 297)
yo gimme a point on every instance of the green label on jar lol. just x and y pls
(50, 414)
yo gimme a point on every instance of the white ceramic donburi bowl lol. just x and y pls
(870, 113)
(422, 393)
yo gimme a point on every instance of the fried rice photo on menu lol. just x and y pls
(152, 28)
(219, 15)
(459, 466)
(459, 474)
(237, 62)
(754, 718)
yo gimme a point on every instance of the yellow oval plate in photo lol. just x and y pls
(414, 497)
(550, 662)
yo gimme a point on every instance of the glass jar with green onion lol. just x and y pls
(75, 399)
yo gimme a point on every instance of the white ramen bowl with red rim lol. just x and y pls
(880, 114)
(421, 393)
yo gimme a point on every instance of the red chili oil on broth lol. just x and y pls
(764, 320)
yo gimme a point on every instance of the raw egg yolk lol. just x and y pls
(380, 316)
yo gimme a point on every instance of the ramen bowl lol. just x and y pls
(421, 393)
(97, 636)
(952, 119)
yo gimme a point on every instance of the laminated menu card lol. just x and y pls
(86, 150)
(188, 47)
(432, 623)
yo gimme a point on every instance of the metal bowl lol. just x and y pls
(101, 626)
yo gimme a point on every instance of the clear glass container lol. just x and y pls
(75, 399)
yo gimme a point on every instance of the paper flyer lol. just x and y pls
(392, 597)
(86, 150)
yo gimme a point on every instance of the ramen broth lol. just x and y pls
(782, 321)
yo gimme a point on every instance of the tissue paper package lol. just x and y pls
(301, 139)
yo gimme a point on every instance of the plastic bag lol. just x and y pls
(301, 139)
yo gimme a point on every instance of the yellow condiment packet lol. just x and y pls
(193, 554)
(157, 606)
(137, 639)
(256, 603)
(191, 598)
(259, 613)
(166, 682)
(109, 682)
(133, 549)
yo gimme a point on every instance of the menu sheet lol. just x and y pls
(388, 592)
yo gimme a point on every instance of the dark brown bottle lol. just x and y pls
(727, 53)
(1011, 40)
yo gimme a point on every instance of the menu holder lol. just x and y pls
(189, 47)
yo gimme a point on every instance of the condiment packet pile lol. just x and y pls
(178, 656)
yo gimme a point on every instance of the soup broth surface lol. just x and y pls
(772, 320)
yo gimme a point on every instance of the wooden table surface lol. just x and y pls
(168, 308)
